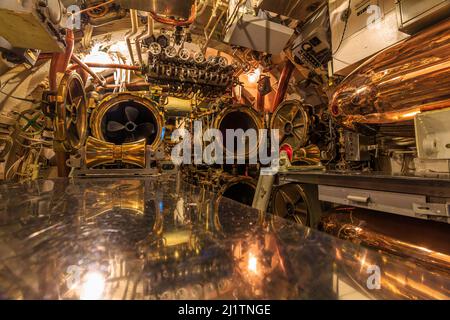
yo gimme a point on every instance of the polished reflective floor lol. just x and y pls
(159, 238)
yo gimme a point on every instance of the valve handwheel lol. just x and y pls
(71, 113)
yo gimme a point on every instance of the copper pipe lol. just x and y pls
(95, 6)
(112, 66)
(259, 102)
(86, 68)
(393, 86)
(60, 61)
(61, 158)
(283, 84)
(259, 99)
(59, 64)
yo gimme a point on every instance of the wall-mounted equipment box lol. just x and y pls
(360, 29)
(414, 15)
(258, 34)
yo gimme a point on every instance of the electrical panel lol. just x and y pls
(312, 47)
(359, 29)
(258, 34)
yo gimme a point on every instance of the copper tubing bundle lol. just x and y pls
(397, 83)
(384, 232)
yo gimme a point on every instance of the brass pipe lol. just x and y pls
(131, 33)
(137, 43)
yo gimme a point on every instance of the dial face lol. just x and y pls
(184, 54)
(170, 52)
(222, 61)
(155, 49)
(199, 57)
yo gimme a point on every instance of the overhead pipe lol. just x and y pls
(283, 84)
(60, 61)
(86, 68)
(131, 33)
(137, 43)
(112, 66)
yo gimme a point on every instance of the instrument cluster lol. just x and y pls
(183, 71)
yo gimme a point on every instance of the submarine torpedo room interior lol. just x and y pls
(224, 149)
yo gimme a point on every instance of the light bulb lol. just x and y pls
(93, 286)
(253, 76)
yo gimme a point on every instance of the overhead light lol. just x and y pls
(93, 286)
(252, 263)
(253, 76)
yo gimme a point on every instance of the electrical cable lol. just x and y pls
(345, 28)
(19, 98)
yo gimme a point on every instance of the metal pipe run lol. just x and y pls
(283, 84)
